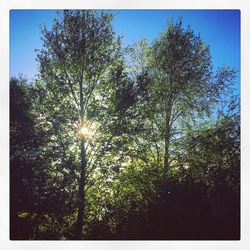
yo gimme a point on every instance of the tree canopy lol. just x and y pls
(124, 143)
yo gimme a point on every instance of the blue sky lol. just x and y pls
(220, 29)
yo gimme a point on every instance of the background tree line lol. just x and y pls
(159, 156)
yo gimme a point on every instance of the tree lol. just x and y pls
(27, 178)
(76, 56)
(21, 144)
(180, 85)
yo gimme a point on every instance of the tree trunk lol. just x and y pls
(166, 163)
(166, 151)
(81, 195)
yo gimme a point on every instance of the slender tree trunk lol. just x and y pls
(166, 148)
(166, 161)
(81, 195)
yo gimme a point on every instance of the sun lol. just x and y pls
(87, 129)
(84, 131)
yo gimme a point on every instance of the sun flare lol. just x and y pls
(84, 131)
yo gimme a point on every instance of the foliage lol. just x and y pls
(157, 161)
(27, 176)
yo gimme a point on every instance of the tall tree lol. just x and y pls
(76, 56)
(181, 88)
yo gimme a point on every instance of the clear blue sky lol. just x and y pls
(218, 28)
